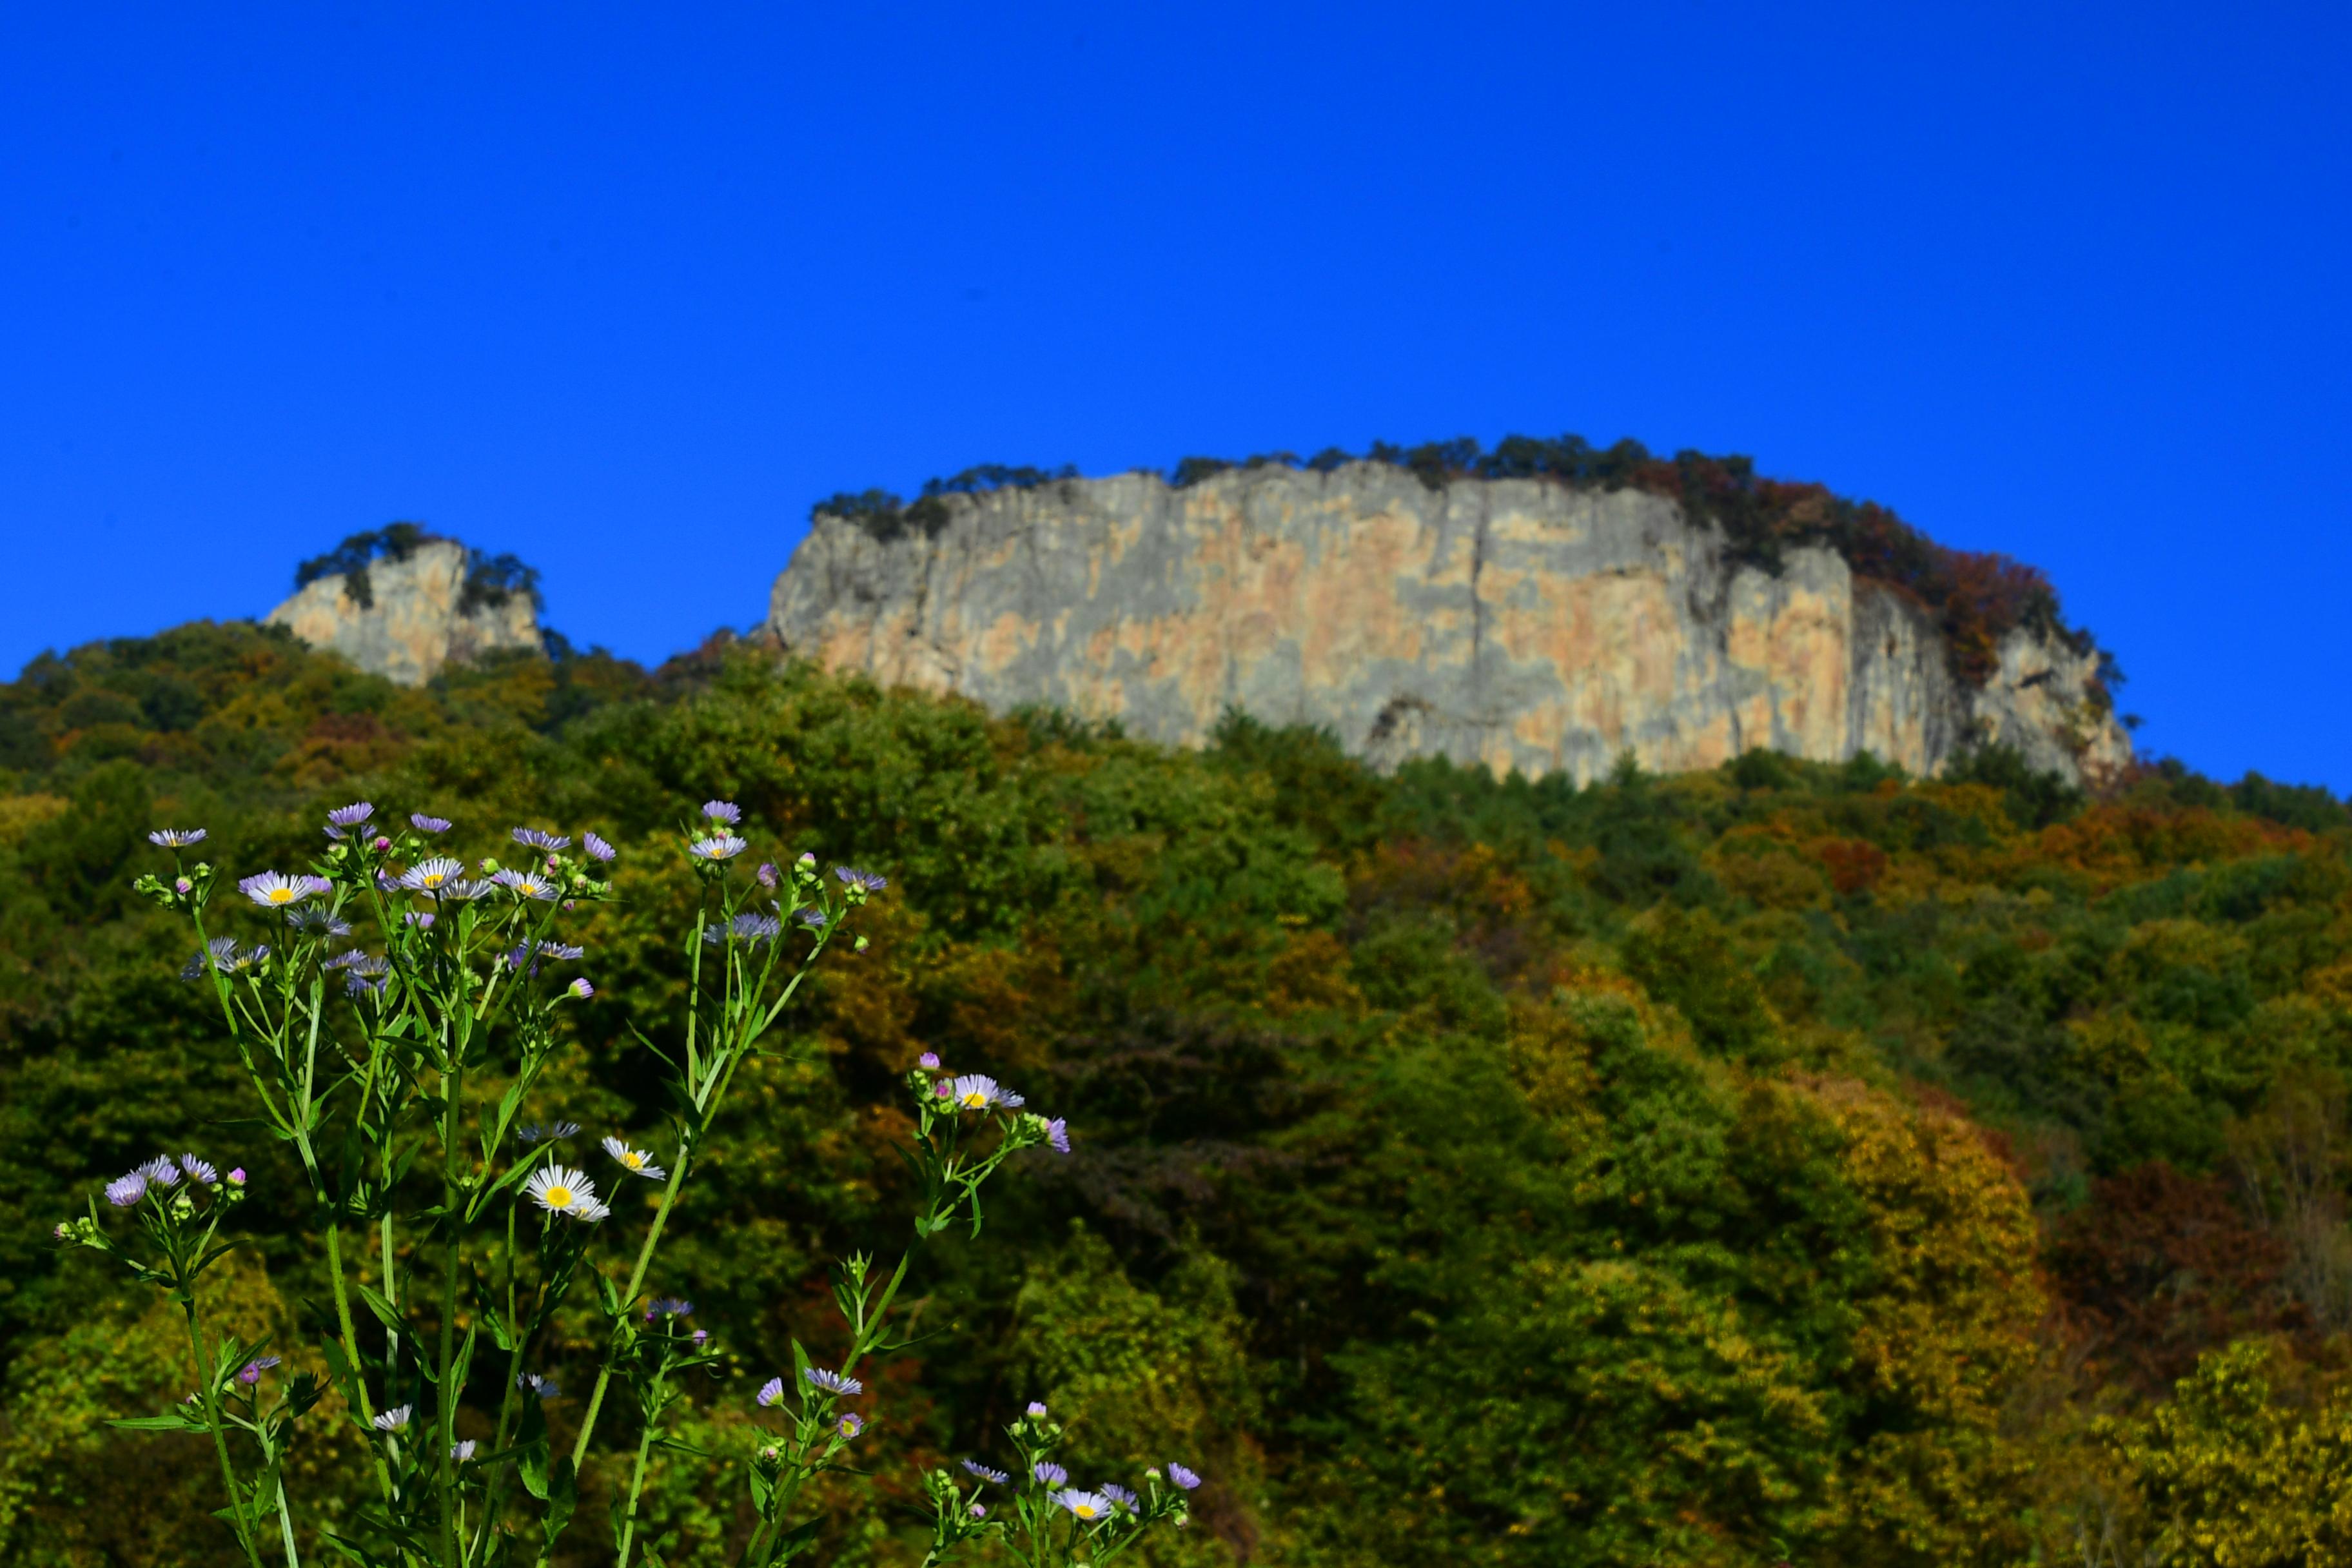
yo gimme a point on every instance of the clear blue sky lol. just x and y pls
(623, 289)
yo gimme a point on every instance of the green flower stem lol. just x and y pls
(351, 1347)
(510, 1400)
(636, 1283)
(637, 1482)
(453, 1089)
(286, 1525)
(206, 1382)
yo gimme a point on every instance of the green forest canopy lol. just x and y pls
(1475, 1171)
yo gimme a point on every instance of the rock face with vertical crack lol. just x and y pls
(418, 620)
(1513, 624)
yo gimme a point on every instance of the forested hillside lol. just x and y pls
(1787, 1159)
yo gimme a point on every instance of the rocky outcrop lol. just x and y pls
(418, 619)
(1517, 624)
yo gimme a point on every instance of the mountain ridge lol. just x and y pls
(1547, 613)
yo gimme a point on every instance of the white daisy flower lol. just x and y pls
(559, 1189)
(432, 875)
(275, 889)
(978, 1091)
(395, 1418)
(637, 1161)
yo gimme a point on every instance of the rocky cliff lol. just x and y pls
(1515, 623)
(417, 615)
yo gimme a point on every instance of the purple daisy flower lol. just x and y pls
(767, 874)
(316, 920)
(222, 950)
(176, 838)
(1037, 1410)
(250, 1373)
(929, 1062)
(993, 1476)
(351, 815)
(770, 1393)
(1088, 1507)
(597, 848)
(424, 824)
(537, 840)
(717, 847)
(527, 884)
(124, 1191)
(1183, 1478)
(579, 989)
(753, 929)
(202, 1172)
(538, 1387)
(1048, 1472)
(866, 881)
(832, 1381)
(1117, 1494)
(668, 1307)
(1057, 1134)
(161, 1172)
(813, 918)
(850, 1425)
(725, 811)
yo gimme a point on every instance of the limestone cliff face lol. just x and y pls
(1514, 624)
(415, 626)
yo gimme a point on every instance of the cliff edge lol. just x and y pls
(1515, 623)
(409, 611)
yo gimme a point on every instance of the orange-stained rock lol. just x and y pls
(1514, 623)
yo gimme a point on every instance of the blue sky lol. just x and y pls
(622, 289)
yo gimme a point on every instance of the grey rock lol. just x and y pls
(1514, 624)
(415, 626)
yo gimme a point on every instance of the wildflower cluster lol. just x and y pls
(968, 1124)
(1033, 1512)
(394, 1027)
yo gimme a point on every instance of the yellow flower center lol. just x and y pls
(1085, 1510)
(281, 894)
(975, 1099)
(633, 1158)
(558, 1197)
(433, 879)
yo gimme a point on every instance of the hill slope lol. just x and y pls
(1480, 1172)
